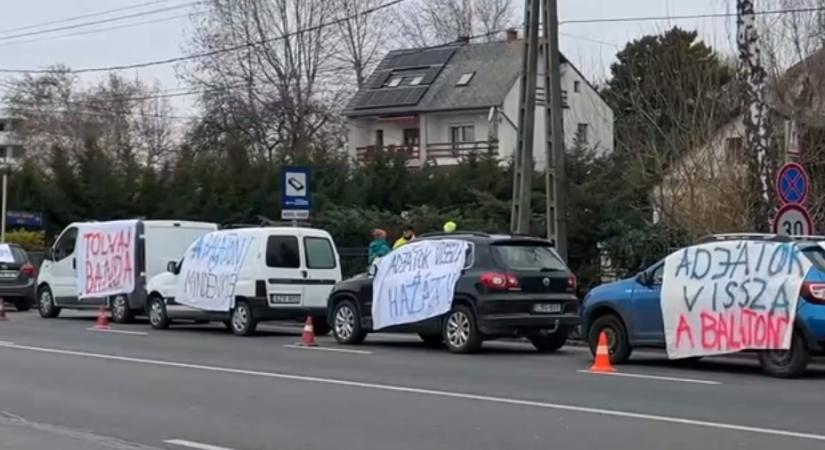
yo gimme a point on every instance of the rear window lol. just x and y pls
(319, 253)
(282, 252)
(817, 257)
(20, 256)
(528, 256)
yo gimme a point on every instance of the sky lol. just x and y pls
(592, 47)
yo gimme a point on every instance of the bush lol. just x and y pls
(29, 240)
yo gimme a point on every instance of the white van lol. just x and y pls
(157, 242)
(287, 273)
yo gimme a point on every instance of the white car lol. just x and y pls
(288, 273)
(157, 242)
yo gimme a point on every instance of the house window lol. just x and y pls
(411, 137)
(2, 126)
(394, 81)
(581, 134)
(465, 79)
(734, 150)
(462, 133)
(416, 80)
(379, 138)
(576, 86)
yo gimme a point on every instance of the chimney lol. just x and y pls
(512, 35)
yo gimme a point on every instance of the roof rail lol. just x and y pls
(808, 237)
(455, 233)
(749, 236)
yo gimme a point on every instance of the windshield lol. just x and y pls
(528, 256)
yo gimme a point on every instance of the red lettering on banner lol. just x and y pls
(708, 331)
(109, 262)
(684, 327)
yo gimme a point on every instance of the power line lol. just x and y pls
(213, 52)
(98, 22)
(84, 16)
(687, 16)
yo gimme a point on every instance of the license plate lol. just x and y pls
(547, 307)
(284, 299)
(8, 274)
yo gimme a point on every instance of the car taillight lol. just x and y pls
(28, 270)
(571, 283)
(814, 292)
(499, 281)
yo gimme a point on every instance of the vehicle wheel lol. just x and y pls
(320, 325)
(23, 305)
(121, 313)
(461, 333)
(243, 321)
(550, 342)
(432, 340)
(158, 318)
(346, 324)
(787, 363)
(46, 307)
(617, 339)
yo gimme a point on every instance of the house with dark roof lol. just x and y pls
(439, 105)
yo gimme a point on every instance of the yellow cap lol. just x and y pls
(450, 226)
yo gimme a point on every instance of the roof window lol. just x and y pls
(465, 79)
(394, 81)
(416, 80)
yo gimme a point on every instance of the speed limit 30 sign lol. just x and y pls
(793, 220)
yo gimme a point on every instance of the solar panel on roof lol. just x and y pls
(425, 57)
(392, 97)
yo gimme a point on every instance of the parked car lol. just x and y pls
(157, 242)
(287, 274)
(511, 286)
(629, 311)
(17, 280)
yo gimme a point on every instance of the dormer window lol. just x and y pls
(465, 79)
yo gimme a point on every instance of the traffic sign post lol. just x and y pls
(295, 203)
(793, 220)
(792, 185)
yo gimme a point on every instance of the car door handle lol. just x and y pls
(304, 273)
(74, 263)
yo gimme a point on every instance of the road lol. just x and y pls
(64, 386)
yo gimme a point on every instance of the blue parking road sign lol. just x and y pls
(792, 184)
(295, 202)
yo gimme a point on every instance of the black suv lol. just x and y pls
(511, 286)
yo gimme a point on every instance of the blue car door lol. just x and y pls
(647, 309)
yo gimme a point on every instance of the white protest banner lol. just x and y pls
(105, 256)
(416, 282)
(210, 271)
(6, 256)
(728, 296)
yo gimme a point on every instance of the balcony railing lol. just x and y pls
(372, 151)
(436, 150)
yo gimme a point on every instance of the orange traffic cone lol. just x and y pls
(102, 319)
(602, 362)
(3, 310)
(308, 338)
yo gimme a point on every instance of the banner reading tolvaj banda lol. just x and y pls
(728, 296)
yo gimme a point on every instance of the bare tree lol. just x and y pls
(424, 23)
(363, 35)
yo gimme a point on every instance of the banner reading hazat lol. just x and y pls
(416, 282)
(728, 296)
(106, 258)
(210, 270)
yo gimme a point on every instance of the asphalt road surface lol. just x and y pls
(65, 387)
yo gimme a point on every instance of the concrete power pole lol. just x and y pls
(555, 177)
(523, 161)
(752, 76)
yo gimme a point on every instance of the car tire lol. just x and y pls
(432, 340)
(158, 317)
(550, 342)
(787, 363)
(460, 330)
(23, 305)
(121, 313)
(320, 326)
(346, 324)
(618, 341)
(46, 306)
(243, 322)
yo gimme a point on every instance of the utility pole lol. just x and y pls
(555, 177)
(752, 76)
(523, 161)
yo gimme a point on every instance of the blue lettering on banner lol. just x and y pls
(210, 270)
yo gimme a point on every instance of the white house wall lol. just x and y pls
(439, 123)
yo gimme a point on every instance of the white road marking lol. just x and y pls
(435, 393)
(197, 445)
(651, 377)
(6, 343)
(330, 349)
(132, 333)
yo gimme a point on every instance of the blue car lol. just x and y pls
(629, 312)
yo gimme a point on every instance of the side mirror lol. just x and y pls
(49, 254)
(372, 271)
(172, 267)
(643, 278)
